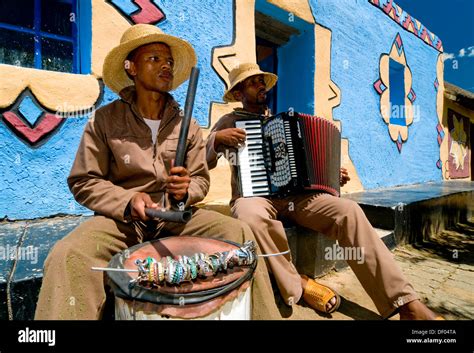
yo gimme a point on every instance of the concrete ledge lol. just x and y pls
(417, 212)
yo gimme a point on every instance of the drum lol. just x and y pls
(224, 296)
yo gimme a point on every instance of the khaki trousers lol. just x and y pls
(72, 291)
(338, 218)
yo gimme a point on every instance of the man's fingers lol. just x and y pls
(180, 171)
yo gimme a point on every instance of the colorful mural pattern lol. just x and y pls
(397, 116)
(458, 160)
(397, 14)
(30, 120)
(30, 123)
(139, 11)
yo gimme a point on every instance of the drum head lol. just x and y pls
(199, 290)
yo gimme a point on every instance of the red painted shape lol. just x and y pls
(149, 13)
(407, 23)
(46, 124)
(424, 35)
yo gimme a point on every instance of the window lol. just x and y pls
(45, 34)
(286, 48)
(397, 93)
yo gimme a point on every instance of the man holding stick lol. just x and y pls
(124, 165)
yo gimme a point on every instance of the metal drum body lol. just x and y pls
(226, 296)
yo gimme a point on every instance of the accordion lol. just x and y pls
(288, 153)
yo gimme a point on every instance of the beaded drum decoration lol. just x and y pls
(183, 277)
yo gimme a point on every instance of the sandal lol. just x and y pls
(317, 296)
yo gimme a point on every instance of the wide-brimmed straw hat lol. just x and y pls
(244, 71)
(114, 73)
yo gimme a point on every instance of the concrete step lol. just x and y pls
(315, 255)
(25, 246)
(417, 212)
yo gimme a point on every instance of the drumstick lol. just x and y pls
(188, 111)
(180, 216)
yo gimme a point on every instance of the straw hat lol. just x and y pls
(244, 71)
(113, 72)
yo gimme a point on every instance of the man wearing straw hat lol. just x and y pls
(339, 218)
(123, 165)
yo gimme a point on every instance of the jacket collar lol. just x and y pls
(128, 95)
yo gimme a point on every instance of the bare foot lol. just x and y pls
(331, 301)
(416, 310)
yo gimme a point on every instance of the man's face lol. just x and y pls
(252, 91)
(152, 67)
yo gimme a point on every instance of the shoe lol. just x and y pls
(317, 296)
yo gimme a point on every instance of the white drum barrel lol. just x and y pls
(225, 296)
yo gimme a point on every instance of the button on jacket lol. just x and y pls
(116, 157)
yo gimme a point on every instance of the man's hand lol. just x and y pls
(344, 177)
(232, 137)
(138, 203)
(177, 183)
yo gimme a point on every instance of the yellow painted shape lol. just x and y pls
(243, 49)
(299, 8)
(385, 105)
(327, 96)
(57, 91)
(108, 26)
(443, 149)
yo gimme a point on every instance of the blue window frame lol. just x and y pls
(46, 34)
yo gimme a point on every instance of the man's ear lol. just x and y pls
(130, 68)
(237, 95)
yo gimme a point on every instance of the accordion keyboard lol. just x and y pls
(253, 175)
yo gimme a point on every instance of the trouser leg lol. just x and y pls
(261, 216)
(70, 289)
(345, 221)
(211, 224)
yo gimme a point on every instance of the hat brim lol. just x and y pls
(269, 78)
(115, 76)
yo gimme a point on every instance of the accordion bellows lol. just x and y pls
(289, 153)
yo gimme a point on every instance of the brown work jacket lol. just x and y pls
(116, 157)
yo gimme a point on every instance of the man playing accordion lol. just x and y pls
(338, 218)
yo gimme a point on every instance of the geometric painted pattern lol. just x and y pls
(28, 121)
(412, 25)
(440, 131)
(29, 110)
(140, 11)
(397, 114)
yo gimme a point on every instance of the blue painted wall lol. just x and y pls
(33, 180)
(361, 33)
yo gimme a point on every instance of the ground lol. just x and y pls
(441, 271)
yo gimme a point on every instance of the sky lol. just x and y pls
(452, 21)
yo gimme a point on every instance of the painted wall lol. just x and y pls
(342, 42)
(34, 166)
(361, 34)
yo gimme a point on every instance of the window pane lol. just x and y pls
(397, 93)
(17, 48)
(20, 13)
(57, 55)
(56, 17)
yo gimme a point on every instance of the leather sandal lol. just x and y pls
(317, 296)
